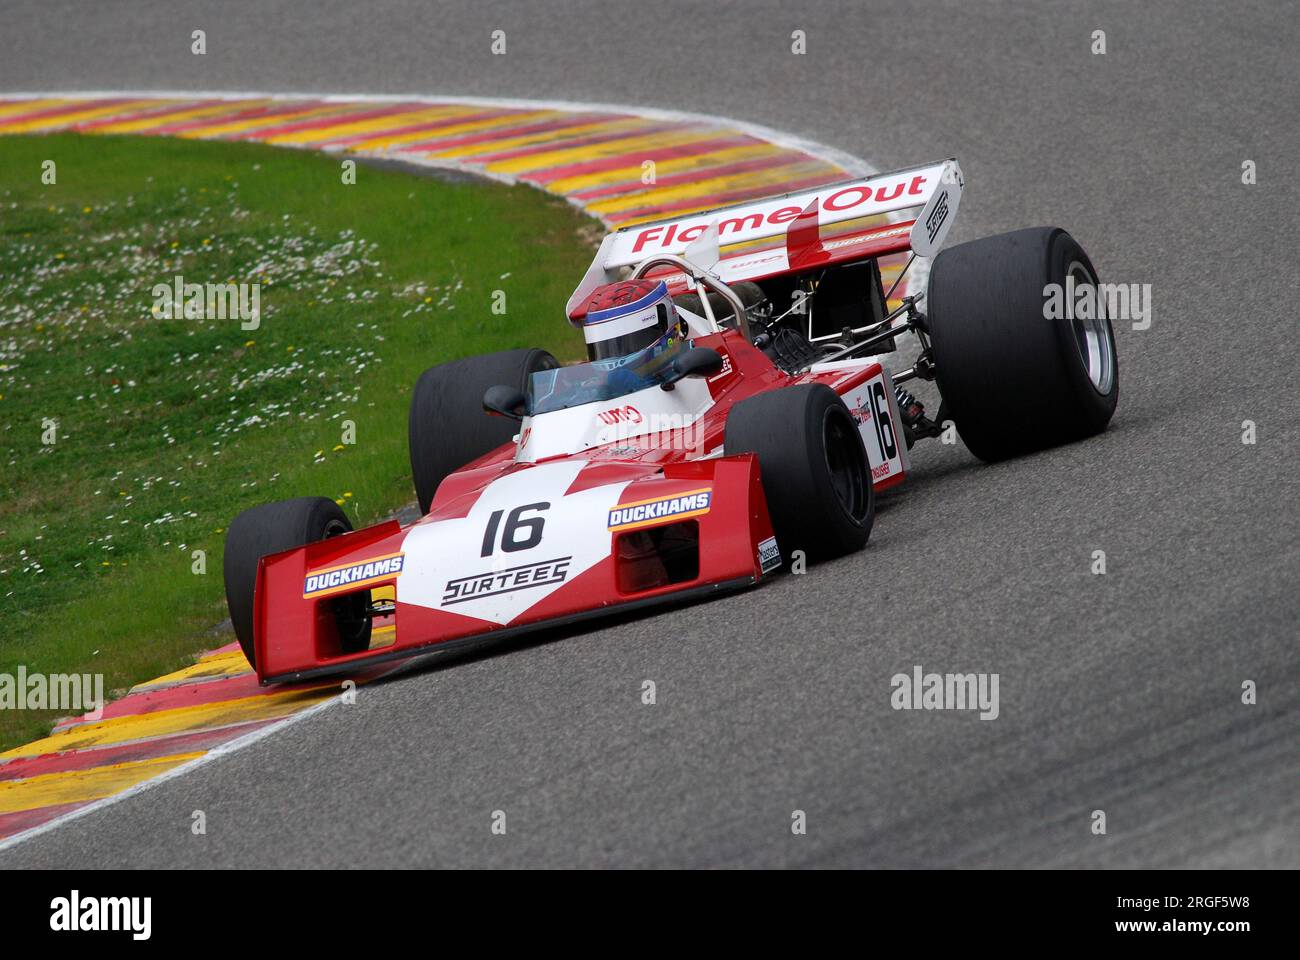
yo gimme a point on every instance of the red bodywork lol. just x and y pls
(295, 635)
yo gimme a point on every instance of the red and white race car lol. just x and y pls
(734, 414)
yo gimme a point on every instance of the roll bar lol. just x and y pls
(700, 278)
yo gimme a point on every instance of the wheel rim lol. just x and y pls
(847, 471)
(1092, 335)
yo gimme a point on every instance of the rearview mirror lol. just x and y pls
(696, 362)
(504, 402)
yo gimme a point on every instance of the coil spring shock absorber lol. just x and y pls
(909, 408)
(912, 412)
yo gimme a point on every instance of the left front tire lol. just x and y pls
(274, 528)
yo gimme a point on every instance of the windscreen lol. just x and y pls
(601, 380)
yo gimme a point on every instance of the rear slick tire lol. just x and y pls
(447, 426)
(1013, 378)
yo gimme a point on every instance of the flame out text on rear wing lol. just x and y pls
(934, 191)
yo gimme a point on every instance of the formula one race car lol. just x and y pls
(734, 416)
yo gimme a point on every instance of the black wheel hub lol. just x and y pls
(848, 472)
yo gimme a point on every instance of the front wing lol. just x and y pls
(535, 547)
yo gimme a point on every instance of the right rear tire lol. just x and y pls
(1013, 378)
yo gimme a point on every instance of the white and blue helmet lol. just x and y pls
(627, 317)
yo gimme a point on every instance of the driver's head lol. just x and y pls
(626, 317)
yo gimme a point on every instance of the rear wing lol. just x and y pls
(797, 223)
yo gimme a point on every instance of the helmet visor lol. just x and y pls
(633, 341)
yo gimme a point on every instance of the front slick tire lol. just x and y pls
(1014, 378)
(813, 467)
(274, 528)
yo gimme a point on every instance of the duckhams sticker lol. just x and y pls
(351, 576)
(645, 513)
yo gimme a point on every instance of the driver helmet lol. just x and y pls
(628, 317)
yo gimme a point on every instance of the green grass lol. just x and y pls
(167, 428)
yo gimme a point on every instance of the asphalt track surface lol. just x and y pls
(1119, 692)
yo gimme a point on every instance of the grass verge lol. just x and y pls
(129, 439)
